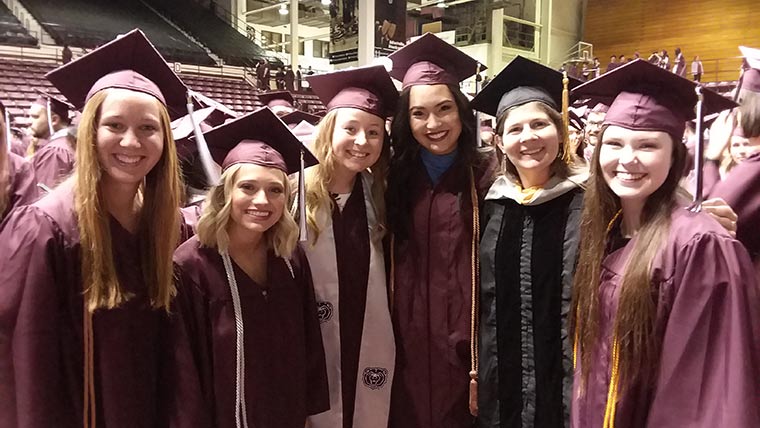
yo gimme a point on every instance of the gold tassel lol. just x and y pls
(566, 155)
(474, 305)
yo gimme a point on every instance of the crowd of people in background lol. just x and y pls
(590, 69)
(397, 264)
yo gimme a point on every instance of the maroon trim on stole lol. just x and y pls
(352, 251)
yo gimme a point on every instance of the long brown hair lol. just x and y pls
(318, 177)
(158, 227)
(634, 322)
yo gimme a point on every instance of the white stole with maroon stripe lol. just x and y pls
(378, 349)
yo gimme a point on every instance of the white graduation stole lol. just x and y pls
(377, 354)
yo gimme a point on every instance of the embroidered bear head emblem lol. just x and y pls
(324, 311)
(375, 377)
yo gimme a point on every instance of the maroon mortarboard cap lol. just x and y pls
(58, 105)
(299, 116)
(182, 128)
(520, 82)
(259, 138)
(128, 62)
(650, 98)
(205, 101)
(304, 131)
(365, 88)
(280, 98)
(431, 61)
(575, 120)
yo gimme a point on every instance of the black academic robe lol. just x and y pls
(22, 184)
(706, 327)
(41, 327)
(528, 253)
(285, 375)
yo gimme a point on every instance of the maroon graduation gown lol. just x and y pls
(41, 318)
(432, 302)
(707, 323)
(286, 379)
(54, 161)
(740, 190)
(22, 182)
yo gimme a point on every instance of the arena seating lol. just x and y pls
(223, 40)
(90, 23)
(18, 80)
(11, 30)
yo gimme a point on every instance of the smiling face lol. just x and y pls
(531, 141)
(635, 163)
(130, 137)
(434, 118)
(357, 139)
(257, 200)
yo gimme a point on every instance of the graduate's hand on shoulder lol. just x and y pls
(723, 213)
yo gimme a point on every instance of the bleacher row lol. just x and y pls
(89, 23)
(20, 78)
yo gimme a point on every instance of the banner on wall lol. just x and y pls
(344, 31)
(390, 26)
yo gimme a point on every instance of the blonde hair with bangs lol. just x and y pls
(158, 226)
(212, 226)
(318, 178)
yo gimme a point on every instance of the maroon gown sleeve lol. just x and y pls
(739, 190)
(193, 387)
(317, 393)
(52, 165)
(32, 392)
(708, 375)
(23, 190)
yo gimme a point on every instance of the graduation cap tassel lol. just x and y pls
(303, 231)
(478, 138)
(739, 86)
(8, 136)
(699, 160)
(566, 156)
(209, 167)
(49, 117)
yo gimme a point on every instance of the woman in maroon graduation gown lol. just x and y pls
(345, 209)
(18, 185)
(86, 272)
(436, 180)
(667, 306)
(245, 293)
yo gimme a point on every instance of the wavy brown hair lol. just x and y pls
(635, 320)
(318, 177)
(405, 160)
(158, 225)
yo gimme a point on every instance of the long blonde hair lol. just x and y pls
(212, 226)
(318, 177)
(159, 222)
